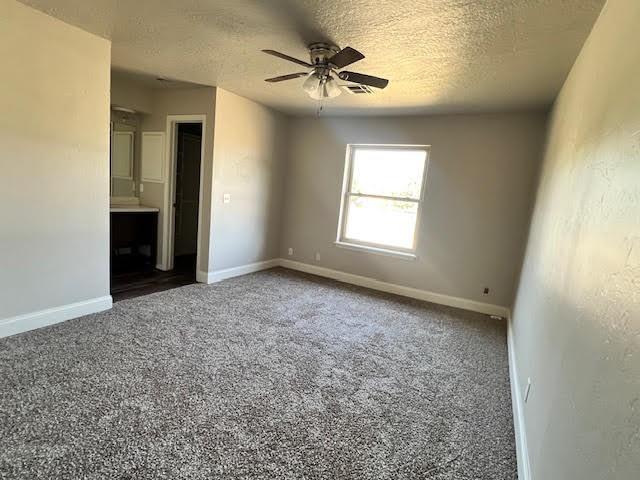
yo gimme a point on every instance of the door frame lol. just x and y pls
(168, 223)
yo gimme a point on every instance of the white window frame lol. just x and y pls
(342, 240)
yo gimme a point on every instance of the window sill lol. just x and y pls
(377, 251)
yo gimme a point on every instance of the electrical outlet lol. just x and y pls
(317, 256)
(141, 187)
(226, 198)
(527, 390)
(290, 252)
(485, 291)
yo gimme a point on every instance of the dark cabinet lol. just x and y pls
(134, 238)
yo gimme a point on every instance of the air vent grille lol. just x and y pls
(357, 89)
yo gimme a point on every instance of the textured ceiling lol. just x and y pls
(440, 55)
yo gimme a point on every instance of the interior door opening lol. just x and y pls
(187, 196)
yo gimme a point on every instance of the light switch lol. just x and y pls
(226, 198)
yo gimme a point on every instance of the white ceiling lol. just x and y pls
(439, 55)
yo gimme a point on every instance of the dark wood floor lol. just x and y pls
(138, 283)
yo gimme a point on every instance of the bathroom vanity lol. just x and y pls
(134, 238)
(133, 227)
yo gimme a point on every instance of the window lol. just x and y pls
(383, 189)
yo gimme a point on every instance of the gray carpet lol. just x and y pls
(271, 375)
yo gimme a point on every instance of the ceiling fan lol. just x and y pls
(326, 60)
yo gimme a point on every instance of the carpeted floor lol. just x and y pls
(274, 375)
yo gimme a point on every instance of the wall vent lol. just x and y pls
(357, 89)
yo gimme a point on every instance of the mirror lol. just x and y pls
(122, 155)
(124, 164)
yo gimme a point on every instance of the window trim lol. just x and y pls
(384, 249)
(378, 251)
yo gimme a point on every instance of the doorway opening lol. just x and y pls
(186, 197)
(182, 222)
(178, 239)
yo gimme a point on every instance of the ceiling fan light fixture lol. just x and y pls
(331, 88)
(311, 84)
(320, 88)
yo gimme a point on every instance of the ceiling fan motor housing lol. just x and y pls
(321, 52)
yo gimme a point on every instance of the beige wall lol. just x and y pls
(577, 315)
(54, 159)
(248, 149)
(183, 101)
(125, 93)
(133, 95)
(481, 176)
(249, 155)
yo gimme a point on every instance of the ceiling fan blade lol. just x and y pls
(287, 57)
(345, 57)
(364, 79)
(282, 78)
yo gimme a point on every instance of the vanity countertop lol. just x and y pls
(132, 209)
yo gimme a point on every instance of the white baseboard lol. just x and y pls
(486, 308)
(218, 275)
(374, 284)
(522, 452)
(42, 318)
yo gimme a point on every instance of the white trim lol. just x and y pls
(372, 283)
(51, 316)
(346, 193)
(522, 451)
(218, 275)
(486, 308)
(202, 276)
(378, 251)
(168, 219)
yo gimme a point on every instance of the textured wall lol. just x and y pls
(478, 195)
(249, 156)
(54, 162)
(577, 314)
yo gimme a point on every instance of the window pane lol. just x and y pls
(381, 221)
(388, 172)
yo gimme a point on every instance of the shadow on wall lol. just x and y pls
(587, 380)
(577, 312)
